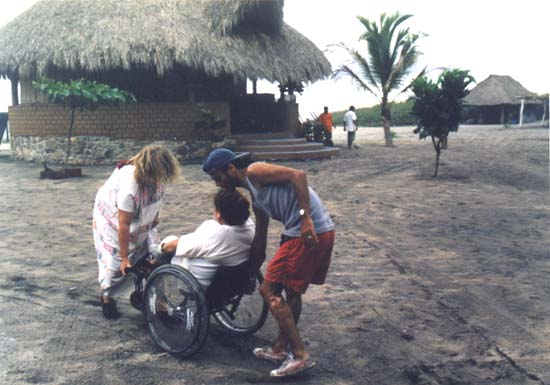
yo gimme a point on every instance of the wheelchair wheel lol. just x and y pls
(245, 313)
(176, 311)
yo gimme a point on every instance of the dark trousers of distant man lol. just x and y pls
(328, 138)
(351, 138)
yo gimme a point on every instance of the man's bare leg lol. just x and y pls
(294, 301)
(283, 315)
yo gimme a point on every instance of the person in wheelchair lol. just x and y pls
(224, 240)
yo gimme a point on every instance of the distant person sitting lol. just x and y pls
(350, 125)
(326, 120)
(222, 241)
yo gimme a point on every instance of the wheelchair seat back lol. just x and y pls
(228, 282)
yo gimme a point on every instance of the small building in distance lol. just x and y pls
(503, 100)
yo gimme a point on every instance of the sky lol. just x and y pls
(484, 37)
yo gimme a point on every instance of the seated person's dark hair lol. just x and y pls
(233, 207)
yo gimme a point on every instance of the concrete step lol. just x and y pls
(280, 146)
(270, 147)
(271, 142)
(326, 152)
(263, 135)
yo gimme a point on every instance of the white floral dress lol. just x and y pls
(121, 192)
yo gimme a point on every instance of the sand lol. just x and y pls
(433, 281)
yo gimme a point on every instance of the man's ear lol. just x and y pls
(231, 169)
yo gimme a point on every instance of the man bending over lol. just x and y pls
(303, 258)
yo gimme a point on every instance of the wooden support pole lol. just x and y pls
(521, 112)
(14, 90)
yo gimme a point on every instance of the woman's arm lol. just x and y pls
(124, 221)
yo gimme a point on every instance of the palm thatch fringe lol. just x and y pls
(245, 38)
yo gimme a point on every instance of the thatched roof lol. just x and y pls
(246, 38)
(497, 90)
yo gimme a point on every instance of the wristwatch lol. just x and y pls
(302, 213)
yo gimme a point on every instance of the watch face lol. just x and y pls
(301, 212)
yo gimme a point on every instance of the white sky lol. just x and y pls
(485, 37)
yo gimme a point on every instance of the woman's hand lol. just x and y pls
(124, 265)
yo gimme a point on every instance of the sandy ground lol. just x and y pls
(433, 281)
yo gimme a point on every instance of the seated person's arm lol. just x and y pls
(170, 247)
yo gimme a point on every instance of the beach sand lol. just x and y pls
(433, 281)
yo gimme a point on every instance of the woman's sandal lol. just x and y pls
(110, 310)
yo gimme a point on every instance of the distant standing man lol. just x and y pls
(326, 120)
(304, 254)
(350, 125)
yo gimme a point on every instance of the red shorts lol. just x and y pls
(295, 266)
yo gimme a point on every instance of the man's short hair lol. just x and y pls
(233, 206)
(352, 108)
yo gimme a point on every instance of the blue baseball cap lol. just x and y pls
(219, 158)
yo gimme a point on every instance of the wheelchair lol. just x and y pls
(177, 309)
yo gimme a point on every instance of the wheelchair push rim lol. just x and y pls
(175, 310)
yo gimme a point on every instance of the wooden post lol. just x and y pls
(521, 112)
(544, 110)
(254, 86)
(502, 115)
(14, 90)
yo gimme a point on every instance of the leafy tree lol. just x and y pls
(438, 106)
(391, 54)
(81, 94)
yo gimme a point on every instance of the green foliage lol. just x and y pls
(438, 105)
(401, 115)
(210, 124)
(82, 94)
(391, 54)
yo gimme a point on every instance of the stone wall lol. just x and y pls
(101, 150)
(39, 131)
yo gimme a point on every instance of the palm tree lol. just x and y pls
(391, 55)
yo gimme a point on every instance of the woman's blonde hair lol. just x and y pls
(155, 164)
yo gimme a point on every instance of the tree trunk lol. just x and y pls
(386, 116)
(437, 147)
(69, 139)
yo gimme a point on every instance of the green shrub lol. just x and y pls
(401, 114)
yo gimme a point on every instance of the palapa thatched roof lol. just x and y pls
(246, 38)
(497, 90)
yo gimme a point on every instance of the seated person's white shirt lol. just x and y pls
(212, 245)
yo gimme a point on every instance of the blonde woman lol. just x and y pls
(126, 212)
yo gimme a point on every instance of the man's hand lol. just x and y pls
(124, 264)
(308, 233)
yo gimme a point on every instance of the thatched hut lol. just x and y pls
(502, 100)
(187, 62)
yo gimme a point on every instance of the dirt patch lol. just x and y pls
(434, 280)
